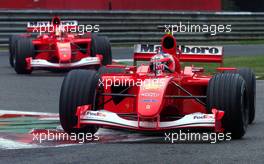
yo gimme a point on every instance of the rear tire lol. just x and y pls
(23, 49)
(250, 79)
(101, 45)
(78, 88)
(12, 41)
(227, 92)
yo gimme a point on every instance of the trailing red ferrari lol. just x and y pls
(161, 95)
(57, 48)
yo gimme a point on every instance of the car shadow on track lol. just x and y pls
(40, 74)
(48, 74)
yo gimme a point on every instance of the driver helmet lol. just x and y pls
(159, 67)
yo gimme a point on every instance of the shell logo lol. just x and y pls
(148, 107)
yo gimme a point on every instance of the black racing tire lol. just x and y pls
(79, 88)
(12, 41)
(103, 70)
(93, 45)
(101, 45)
(250, 79)
(227, 92)
(23, 49)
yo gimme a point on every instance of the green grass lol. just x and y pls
(246, 42)
(254, 62)
(3, 48)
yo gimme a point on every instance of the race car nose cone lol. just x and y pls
(150, 98)
(148, 109)
(64, 52)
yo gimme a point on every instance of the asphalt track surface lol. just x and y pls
(40, 92)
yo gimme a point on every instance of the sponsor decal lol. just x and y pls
(205, 116)
(149, 101)
(146, 48)
(47, 23)
(148, 106)
(69, 23)
(150, 94)
(185, 49)
(201, 50)
(97, 114)
(38, 24)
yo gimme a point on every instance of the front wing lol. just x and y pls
(41, 63)
(110, 119)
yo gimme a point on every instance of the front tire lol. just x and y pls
(227, 92)
(78, 88)
(23, 49)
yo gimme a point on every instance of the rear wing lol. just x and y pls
(47, 26)
(187, 53)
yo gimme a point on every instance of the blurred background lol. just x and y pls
(190, 5)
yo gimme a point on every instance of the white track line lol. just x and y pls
(10, 144)
(3, 112)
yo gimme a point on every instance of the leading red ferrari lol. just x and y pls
(161, 95)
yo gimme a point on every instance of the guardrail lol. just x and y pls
(130, 27)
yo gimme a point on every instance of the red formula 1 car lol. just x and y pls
(57, 48)
(161, 95)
